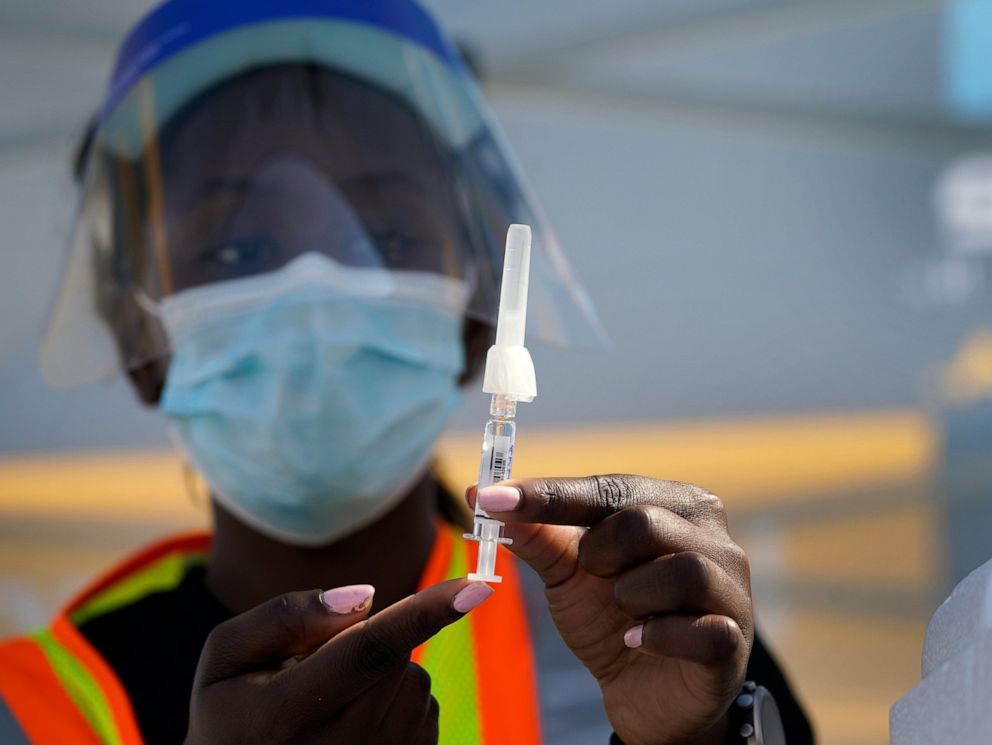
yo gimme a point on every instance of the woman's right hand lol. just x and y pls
(307, 667)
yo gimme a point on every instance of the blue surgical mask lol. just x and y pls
(310, 398)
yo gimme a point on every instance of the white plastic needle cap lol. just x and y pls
(509, 368)
(513, 294)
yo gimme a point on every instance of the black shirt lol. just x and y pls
(153, 646)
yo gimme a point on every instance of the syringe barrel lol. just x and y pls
(498, 440)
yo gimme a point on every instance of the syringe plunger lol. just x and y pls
(490, 536)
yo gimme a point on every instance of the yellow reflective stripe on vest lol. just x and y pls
(164, 575)
(482, 666)
(81, 687)
(450, 659)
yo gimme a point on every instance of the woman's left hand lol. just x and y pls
(654, 598)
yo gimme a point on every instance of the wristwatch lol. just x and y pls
(754, 718)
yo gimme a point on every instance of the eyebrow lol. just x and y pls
(351, 184)
(385, 177)
(211, 187)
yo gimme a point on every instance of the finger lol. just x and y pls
(550, 550)
(588, 500)
(710, 640)
(644, 532)
(686, 582)
(312, 712)
(287, 626)
(428, 733)
(408, 710)
(429, 730)
(347, 665)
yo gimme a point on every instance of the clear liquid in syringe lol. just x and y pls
(497, 443)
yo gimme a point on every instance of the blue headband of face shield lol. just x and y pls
(177, 25)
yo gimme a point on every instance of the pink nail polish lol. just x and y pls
(471, 597)
(347, 600)
(634, 637)
(499, 498)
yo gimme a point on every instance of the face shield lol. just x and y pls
(239, 137)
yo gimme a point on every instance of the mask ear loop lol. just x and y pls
(196, 488)
(146, 303)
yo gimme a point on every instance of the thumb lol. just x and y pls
(550, 550)
(287, 626)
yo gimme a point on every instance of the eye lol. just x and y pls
(243, 256)
(228, 255)
(396, 249)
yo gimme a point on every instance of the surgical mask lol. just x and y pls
(310, 398)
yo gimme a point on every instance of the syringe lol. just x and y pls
(510, 378)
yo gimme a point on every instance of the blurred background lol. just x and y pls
(783, 211)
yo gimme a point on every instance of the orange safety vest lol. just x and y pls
(60, 691)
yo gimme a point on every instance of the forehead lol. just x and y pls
(343, 125)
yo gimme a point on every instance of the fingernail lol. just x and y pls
(634, 637)
(347, 600)
(499, 498)
(471, 597)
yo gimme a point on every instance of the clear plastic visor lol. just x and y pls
(372, 152)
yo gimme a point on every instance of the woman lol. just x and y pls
(290, 237)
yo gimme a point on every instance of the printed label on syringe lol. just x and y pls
(501, 460)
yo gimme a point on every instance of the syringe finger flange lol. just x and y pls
(474, 537)
(487, 529)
